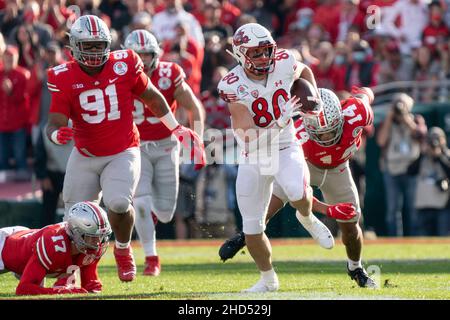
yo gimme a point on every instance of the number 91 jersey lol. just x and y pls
(100, 106)
(263, 100)
(357, 115)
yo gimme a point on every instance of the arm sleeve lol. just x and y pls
(179, 75)
(226, 92)
(366, 111)
(140, 79)
(60, 103)
(89, 278)
(30, 281)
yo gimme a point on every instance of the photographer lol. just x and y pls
(399, 137)
(432, 169)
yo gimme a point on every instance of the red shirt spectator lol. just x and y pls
(436, 31)
(327, 15)
(13, 93)
(230, 13)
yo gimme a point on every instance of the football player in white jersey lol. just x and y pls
(258, 95)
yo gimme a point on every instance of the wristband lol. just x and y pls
(169, 121)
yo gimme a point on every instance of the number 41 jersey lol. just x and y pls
(100, 106)
(263, 99)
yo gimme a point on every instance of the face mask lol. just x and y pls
(339, 59)
(358, 56)
(436, 17)
(304, 23)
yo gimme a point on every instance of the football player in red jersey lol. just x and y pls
(57, 250)
(157, 191)
(96, 91)
(329, 140)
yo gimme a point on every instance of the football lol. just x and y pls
(309, 97)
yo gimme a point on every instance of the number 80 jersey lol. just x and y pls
(263, 100)
(100, 106)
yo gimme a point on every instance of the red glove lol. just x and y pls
(364, 90)
(62, 135)
(185, 136)
(341, 211)
(93, 286)
(70, 290)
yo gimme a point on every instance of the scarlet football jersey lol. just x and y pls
(166, 78)
(49, 246)
(100, 106)
(357, 115)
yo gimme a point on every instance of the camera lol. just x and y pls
(399, 108)
(434, 141)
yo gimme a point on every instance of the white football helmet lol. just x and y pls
(329, 120)
(88, 227)
(254, 36)
(89, 28)
(142, 41)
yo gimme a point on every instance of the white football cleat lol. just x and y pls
(318, 231)
(263, 286)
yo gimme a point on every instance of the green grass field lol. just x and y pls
(409, 269)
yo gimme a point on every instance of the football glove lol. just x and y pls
(185, 136)
(364, 90)
(288, 110)
(70, 290)
(341, 211)
(62, 135)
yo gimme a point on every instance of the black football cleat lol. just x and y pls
(232, 246)
(362, 278)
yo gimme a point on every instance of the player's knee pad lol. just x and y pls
(253, 226)
(119, 205)
(142, 205)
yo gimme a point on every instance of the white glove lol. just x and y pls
(288, 110)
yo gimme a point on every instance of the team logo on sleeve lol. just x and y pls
(164, 83)
(120, 68)
(242, 90)
(356, 132)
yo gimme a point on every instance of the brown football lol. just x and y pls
(309, 98)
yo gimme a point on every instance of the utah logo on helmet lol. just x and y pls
(253, 36)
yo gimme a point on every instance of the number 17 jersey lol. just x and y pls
(100, 106)
(263, 100)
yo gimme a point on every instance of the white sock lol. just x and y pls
(145, 229)
(269, 276)
(353, 265)
(308, 220)
(149, 248)
(120, 245)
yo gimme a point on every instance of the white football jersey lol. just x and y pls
(263, 101)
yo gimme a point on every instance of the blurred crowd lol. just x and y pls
(345, 42)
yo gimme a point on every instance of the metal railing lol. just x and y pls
(427, 91)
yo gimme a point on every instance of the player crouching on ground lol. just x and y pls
(57, 250)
